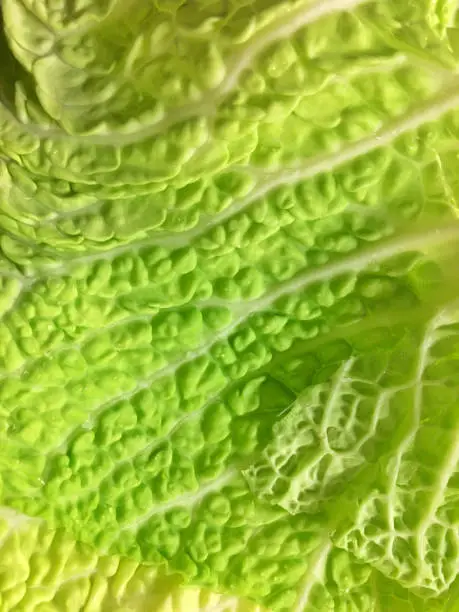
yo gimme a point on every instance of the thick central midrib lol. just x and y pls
(314, 575)
(291, 21)
(448, 469)
(406, 443)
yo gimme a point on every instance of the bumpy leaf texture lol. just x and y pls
(229, 305)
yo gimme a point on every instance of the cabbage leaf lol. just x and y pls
(229, 305)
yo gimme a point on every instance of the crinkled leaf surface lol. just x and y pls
(229, 305)
(43, 569)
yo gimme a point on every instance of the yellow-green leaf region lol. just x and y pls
(47, 571)
(229, 305)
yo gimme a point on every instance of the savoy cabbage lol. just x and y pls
(229, 305)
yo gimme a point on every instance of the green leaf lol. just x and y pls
(229, 296)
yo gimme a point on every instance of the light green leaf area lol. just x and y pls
(43, 569)
(229, 305)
